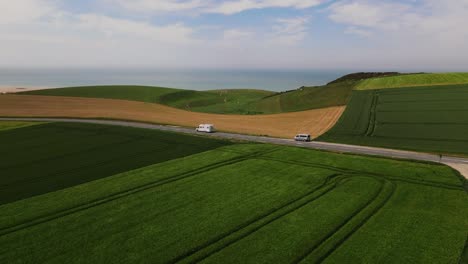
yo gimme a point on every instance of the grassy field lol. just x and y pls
(425, 79)
(305, 98)
(242, 203)
(242, 101)
(433, 119)
(49, 157)
(7, 125)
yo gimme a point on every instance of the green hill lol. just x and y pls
(250, 101)
(305, 98)
(234, 101)
(407, 80)
(216, 101)
(123, 92)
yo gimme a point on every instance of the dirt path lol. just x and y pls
(314, 122)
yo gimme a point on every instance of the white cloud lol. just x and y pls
(358, 31)
(161, 5)
(23, 11)
(424, 32)
(237, 34)
(290, 31)
(211, 6)
(429, 16)
(174, 33)
(368, 14)
(233, 7)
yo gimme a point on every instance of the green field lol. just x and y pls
(7, 125)
(241, 101)
(305, 98)
(424, 79)
(238, 203)
(49, 157)
(431, 119)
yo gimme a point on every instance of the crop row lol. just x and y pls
(410, 118)
(115, 196)
(49, 157)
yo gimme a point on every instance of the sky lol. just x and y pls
(413, 35)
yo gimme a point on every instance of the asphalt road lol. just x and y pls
(461, 164)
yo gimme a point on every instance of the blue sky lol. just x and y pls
(279, 34)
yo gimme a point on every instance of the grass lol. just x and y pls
(431, 119)
(244, 203)
(424, 79)
(7, 125)
(241, 101)
(216, 101)
(305, 98)
(49, 157)
(146, 94)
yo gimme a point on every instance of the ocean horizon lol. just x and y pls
(273, 80)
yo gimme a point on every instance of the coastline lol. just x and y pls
(17, 89)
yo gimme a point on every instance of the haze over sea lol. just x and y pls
(274, 80)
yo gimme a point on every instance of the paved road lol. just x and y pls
(460, 164)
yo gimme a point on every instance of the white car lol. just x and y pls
(302, 137)
(207, 128)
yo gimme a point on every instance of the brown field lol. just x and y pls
(315, 122)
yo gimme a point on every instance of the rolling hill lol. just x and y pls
(216, 101)
(235, 101)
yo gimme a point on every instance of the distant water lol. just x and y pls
(273, 80)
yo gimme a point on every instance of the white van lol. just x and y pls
(207, 128)
(302, 137)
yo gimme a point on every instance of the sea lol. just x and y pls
(273, 80)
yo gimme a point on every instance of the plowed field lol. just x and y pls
(314, 122)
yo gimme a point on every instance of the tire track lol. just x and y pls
(119, 195)
(358, 172)
(331, 233)
(226, 239)
(371, 126)
(386, 194)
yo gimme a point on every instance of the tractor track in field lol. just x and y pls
(198, 253)
(122, 194)
(361, 223)
(372, 123)
(332, 232)
(353, 172)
